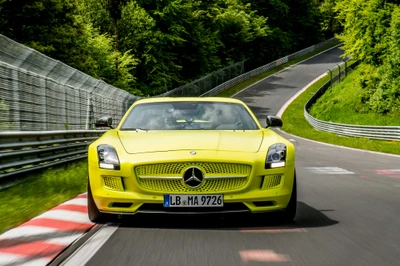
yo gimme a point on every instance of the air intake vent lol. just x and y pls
(113, 183)
(122, 204)
(263, 203)
(271, 181)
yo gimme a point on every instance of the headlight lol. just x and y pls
(108, 158)
(276, 156)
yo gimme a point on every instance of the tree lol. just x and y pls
(371, 34)
(238, 26)
(108, 10)
(293, 24)
(178, 41)
(330, 24)
(366, 25)
(58, 29)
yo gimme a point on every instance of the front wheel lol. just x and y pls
(94, 214)
(290, 211)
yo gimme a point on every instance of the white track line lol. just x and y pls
(297, 94)
(283, 108)
(262, 256)
(36, 262)
(286, 69)
(329, 170)
(281, 111)
(342, 147)
(65, 240)
(86, 251)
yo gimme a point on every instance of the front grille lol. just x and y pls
(228, 207)
(113, 182)
(208, 185)
(167, 169)
(223, 177)
(271, 181)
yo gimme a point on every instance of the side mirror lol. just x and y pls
(273, 121)
(105, 121)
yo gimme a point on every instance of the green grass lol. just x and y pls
(295, 123)
(40, 192)
(231, 91)
(341, 104)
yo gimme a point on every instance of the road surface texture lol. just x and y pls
(348, 208)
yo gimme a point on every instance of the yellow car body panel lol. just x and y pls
(141, 153)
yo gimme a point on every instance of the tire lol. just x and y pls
(290, 212)
(94, 214)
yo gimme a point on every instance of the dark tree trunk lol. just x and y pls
(116, 47)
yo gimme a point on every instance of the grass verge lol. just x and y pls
(295, 123)
(231, 91)
(40, 192)
(341, 102)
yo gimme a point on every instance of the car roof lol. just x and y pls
(189, 99)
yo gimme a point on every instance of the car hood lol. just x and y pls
(160, 141)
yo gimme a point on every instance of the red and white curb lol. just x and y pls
(38, 241)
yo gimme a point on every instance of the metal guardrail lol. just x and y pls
(25, 151)
(361, 131)
(248, 75)
(206, 83)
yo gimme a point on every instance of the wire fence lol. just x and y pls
(40, 93)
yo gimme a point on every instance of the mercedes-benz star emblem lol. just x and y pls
(193, 177)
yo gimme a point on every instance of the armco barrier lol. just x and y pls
(25, 151)
(370, 132)
(361, 131)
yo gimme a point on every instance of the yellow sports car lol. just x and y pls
(190, 156)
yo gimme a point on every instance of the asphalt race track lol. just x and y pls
(348, 208)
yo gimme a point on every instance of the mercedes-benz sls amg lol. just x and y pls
(190, 156)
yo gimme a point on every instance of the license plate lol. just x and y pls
(193, 200)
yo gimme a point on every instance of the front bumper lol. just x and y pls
(251, 198)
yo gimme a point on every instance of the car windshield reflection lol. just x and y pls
(189, 116)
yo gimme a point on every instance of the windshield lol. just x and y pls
(189, 115)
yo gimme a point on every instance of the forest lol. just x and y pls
(148, 47)
(371, 34)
